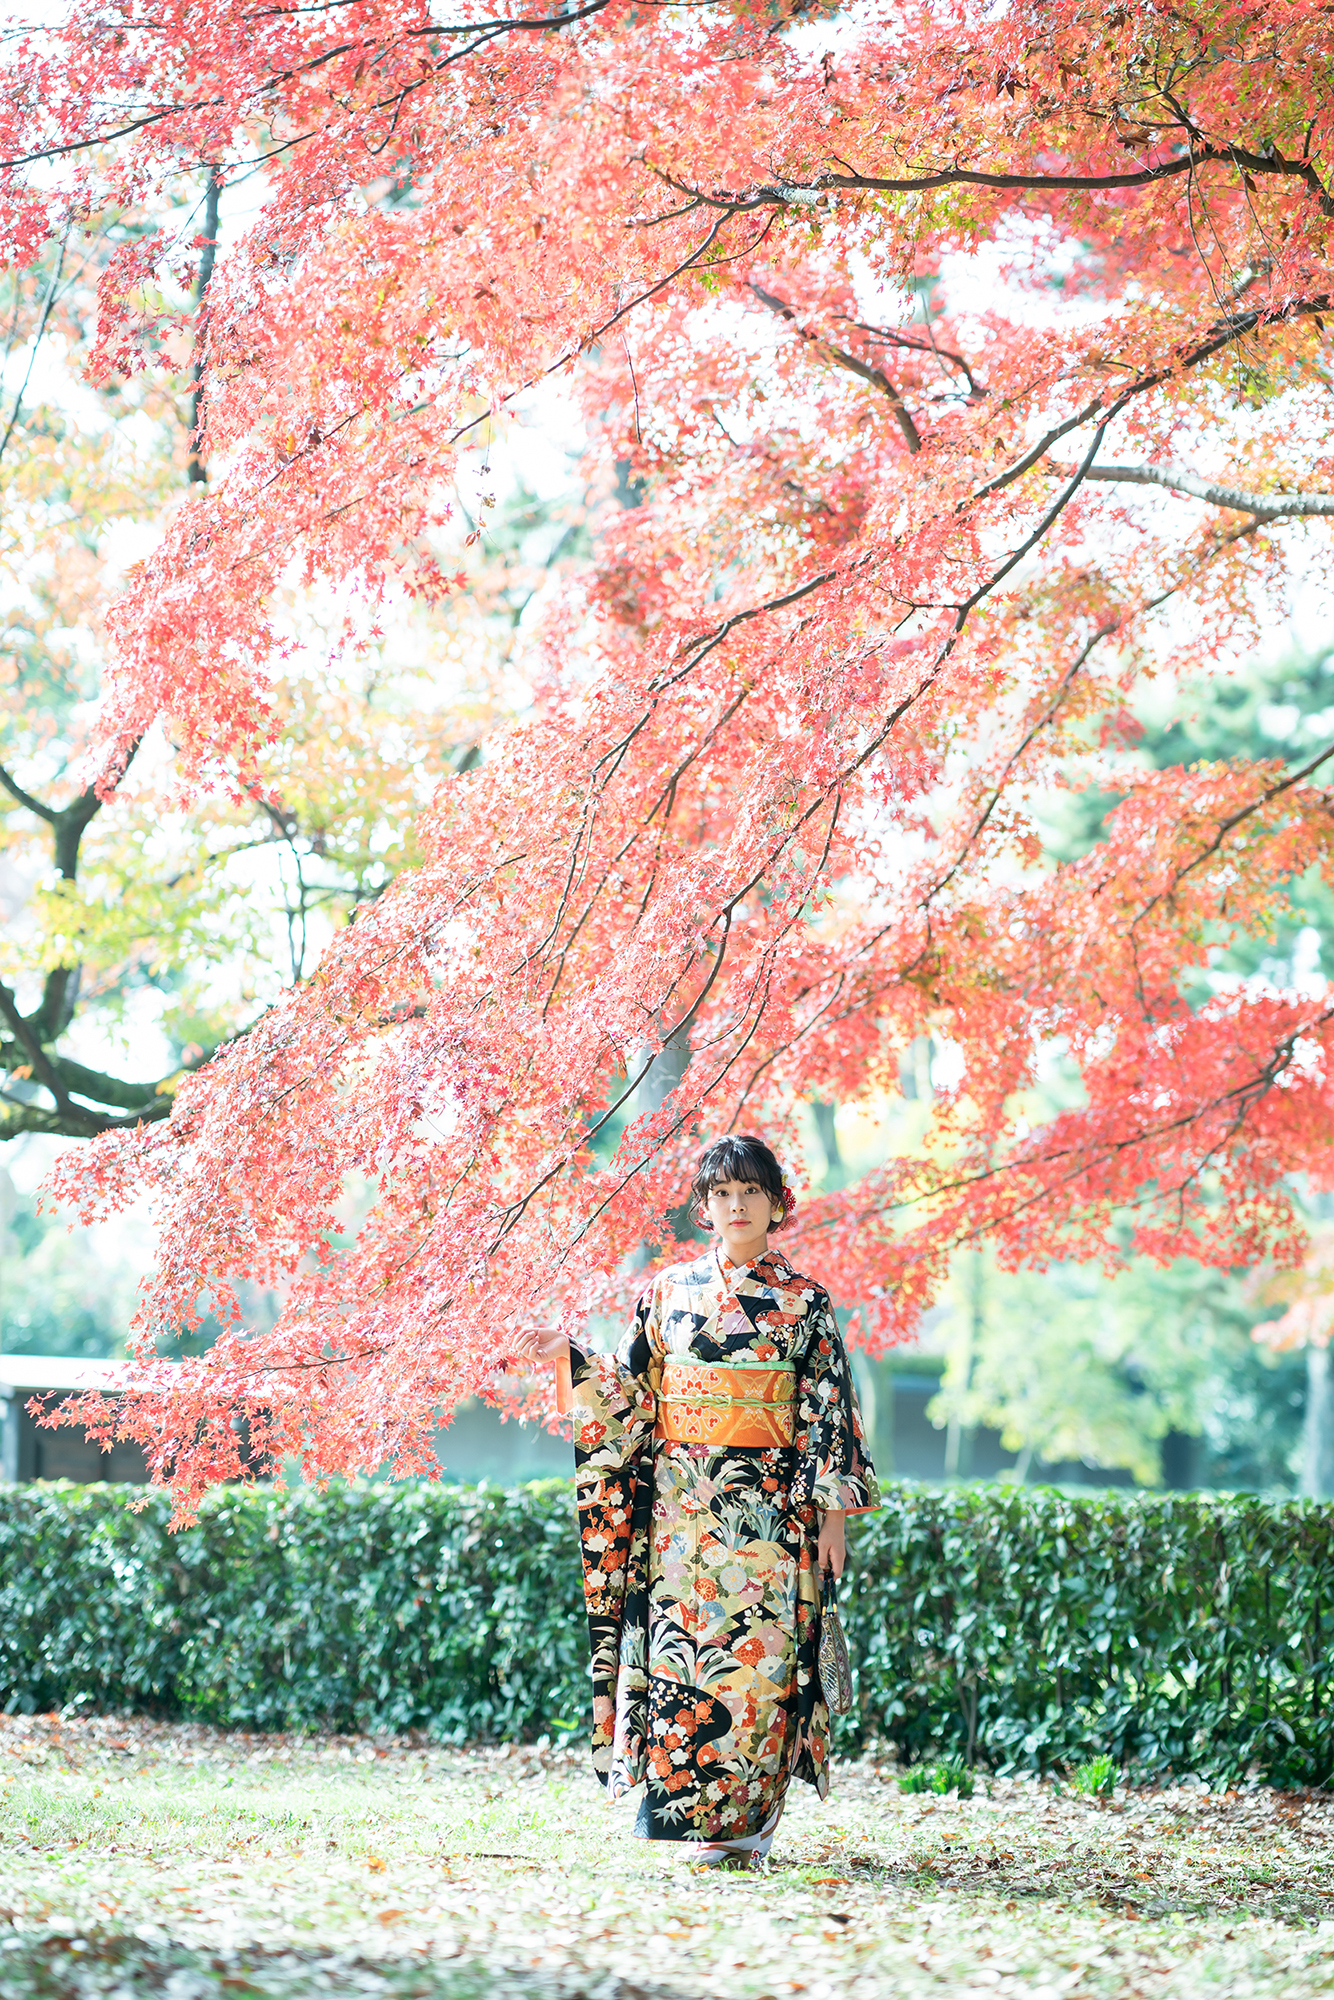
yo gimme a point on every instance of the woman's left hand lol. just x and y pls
(832, 1548)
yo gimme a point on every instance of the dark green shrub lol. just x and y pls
(457, 1609)
(1016, 1628)
(1032, 1628)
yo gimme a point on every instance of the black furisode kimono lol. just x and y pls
(700, 1557)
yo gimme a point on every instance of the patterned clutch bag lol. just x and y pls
(835, 1667)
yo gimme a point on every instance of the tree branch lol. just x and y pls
(804, 194)
(61, 987)
(865, 370)
(22, 391)
(109, 1097)
(26, 799)
(29, 1040)
(102, 1089)
(894, 337)
(1178, 479)
(262, 94)
(195, 471)
(71, 823)
(1233, 327)
(18, 1119)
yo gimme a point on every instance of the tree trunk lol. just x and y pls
(824, 1114)
(958, 1440)
(664, 1074)
(1318, 1431)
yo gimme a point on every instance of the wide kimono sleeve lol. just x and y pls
(614, 1404)
(834, 1469)
(613, 1397)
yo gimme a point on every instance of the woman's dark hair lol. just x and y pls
(744, 1158)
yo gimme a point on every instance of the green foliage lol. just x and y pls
(921, 1778)
(373, 1607)
(60, 1294)
(1031, 1629)
(953, 1775)
(1096, 1779)
(1018, 1628)
(1077, 1365)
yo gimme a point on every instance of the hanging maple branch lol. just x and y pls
(842, 359)
(127, 895)
(794, 712)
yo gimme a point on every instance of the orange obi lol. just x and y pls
(708, 1402)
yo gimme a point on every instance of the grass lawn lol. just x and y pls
(152, 1859)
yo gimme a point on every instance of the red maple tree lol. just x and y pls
(960, 367)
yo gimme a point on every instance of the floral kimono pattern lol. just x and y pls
(700, 1561)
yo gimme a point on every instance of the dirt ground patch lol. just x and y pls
(142, 1858)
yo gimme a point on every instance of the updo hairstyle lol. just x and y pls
(743, 1158)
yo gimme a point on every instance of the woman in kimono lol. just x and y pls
(718, 1454)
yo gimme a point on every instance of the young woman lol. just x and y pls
(718, 1454)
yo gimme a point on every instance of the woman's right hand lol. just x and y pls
(540, 1345)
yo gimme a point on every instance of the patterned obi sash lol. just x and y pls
(716, 1403)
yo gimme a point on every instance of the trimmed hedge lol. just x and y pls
(1031, 1628)
(1020, 1627)
(458, 1609)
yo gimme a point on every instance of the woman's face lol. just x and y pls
(743, 1214)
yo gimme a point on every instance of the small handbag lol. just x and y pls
(835, 1667)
